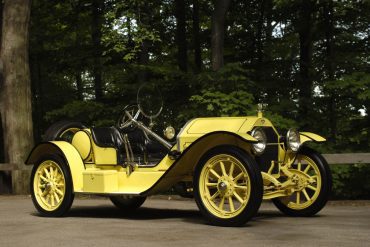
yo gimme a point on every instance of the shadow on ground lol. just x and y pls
(142, 213)
(146, 213)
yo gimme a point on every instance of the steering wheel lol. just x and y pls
(149, 100)
(125, 122)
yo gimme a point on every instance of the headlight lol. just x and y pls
(260, 146)
(169, 132)
(293, 140)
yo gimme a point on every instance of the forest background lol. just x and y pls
(307, 61)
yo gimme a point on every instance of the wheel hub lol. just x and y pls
(226, 186)
(222, 187)
(300, 182)
(48, 186)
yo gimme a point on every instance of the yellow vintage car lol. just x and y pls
(228, 164)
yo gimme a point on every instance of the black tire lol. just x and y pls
(251, 204)
(325, 189)
(59, 130)
(66, 201)
(128, 202)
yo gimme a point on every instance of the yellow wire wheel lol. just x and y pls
(228, 186)
(51, 186)
(312, 179)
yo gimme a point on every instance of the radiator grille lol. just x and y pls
(271, 152)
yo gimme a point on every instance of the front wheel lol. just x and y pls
(228, 186)
(314, 182)
(51, 186)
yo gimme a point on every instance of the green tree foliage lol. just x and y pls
(309, 68)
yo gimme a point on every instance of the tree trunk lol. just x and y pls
(78, 69)
(218, 33)
(130, 41)
(145, 19)
(260, 71)
(96, 34)
(196, 37)
(259, 32)
(1, 19)
(182, 50)
(37, 94)
(328, 12)
(16, 90)
(79, 86)
(269, 19)
(1, 83)
(305, 59)
(143, 60)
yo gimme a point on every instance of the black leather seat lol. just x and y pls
(141, 144)
(107, 137)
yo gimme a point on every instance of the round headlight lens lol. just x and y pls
(169, 132)
(260, 146)
(293, 140)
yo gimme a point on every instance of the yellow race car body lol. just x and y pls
(102, 161)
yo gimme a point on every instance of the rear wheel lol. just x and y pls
(51, 186)
(127, 202)
(228, 186)
(314, 182)
(62, 130)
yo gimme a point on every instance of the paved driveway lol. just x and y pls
(161, 222)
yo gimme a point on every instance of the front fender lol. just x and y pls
(308, 136)
(68, 152)
(247, 137)
(185, 164)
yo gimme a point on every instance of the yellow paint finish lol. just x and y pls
(249, 123)
(81, 141)
(63, 149)
(100, 181)
(308, 136)
(142, 179)
(206, 125)
(75, 162)
(201, 126)
(224, 186)
(114, 179)
(104, 156)
(308, 188)
(184, 166)
(247, 137)
(165, 163)
(138, 181)
(49, 185)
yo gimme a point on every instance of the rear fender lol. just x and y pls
(65, 150)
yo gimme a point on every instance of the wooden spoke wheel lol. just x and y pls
(228, 186)
(51, 186)
(313, 185)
